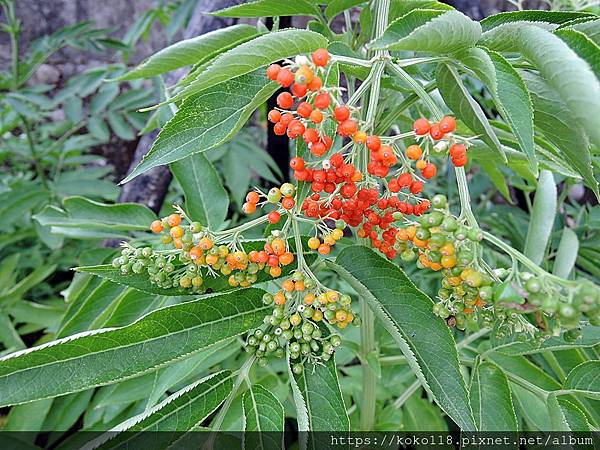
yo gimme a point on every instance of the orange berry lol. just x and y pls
(173, 220)
(177, 243)
(205, 243)
(176, 232)
(286, 259)
(275, 271)
(421, 126)
(279, 298)
(274, 116)
(373, 143)
(304, 75)
(314, 243)
(252, 197)
(360, 137)
(316, 116)
(315, 84)
(304, 109)
(273, 71)
(288, 203)
(309, 298)
(322, 100)
(278, 246)
(320, 57)
(299, 90)
(429, 171)
(414, 152)
(448, 124)
(195, 253)
(156, 226)
(299, 286)
(285, 100)
(324, 249)
(285, 77)
(436, 133)
(421, 164)
(288, 285)
(341, 113)
(249, 208)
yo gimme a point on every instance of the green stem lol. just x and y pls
(419, 90)
(33, 151)
(13, 30)
(465, 198)
(407, 394)
(369, 381)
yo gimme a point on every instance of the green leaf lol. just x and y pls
(553, 117)
(459, 100)
(590, 337)
(335, 7)
(319, 389)
(585, 379)
(399, 8)
(120, 126)
(509, 92)
(207, 119)
(566, 416)
(566, 255)
(590, 28)
(106, 356)
(569, 75)
(264, 419)
(270, 8)
(252, 55)
(179, 412)
(430, 30)
(542, 217)
(491, 400)
(406, 313)
(205, 197)
(88, 214)
(191, 51)
(587, 49)
(555, 17)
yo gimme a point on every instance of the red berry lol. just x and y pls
(285, 100)
(310, 135)
(457, 149)
(429, 171)
(297, 163)
(299, 90)
(347, 127)
(316, 116)
(286, 119)
(436, 132)
(320, 57)
(273, 217)
(448, 124)
(405, 180)
(288, 202)
(274, 116)
(279, 129)
(416, 187)
(315, 84)
(322, 100)
(460, 160)
(421, 126)
(318, 149)
(285, 77)
(328, 142)
(348, 190)
(304, 109)
(341, 113)
(373, 143)
(273, 71)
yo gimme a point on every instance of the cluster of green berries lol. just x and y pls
(296, 322)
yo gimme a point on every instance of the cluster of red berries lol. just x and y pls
(437, 131)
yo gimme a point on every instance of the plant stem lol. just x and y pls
(33, 151)
(369, 382)
(407, 394)
(465, 198)
(419, 90)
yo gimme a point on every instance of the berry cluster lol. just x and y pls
(299, 310)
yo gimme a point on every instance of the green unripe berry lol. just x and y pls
(439, 201)
(297, 368)
(274, 195)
